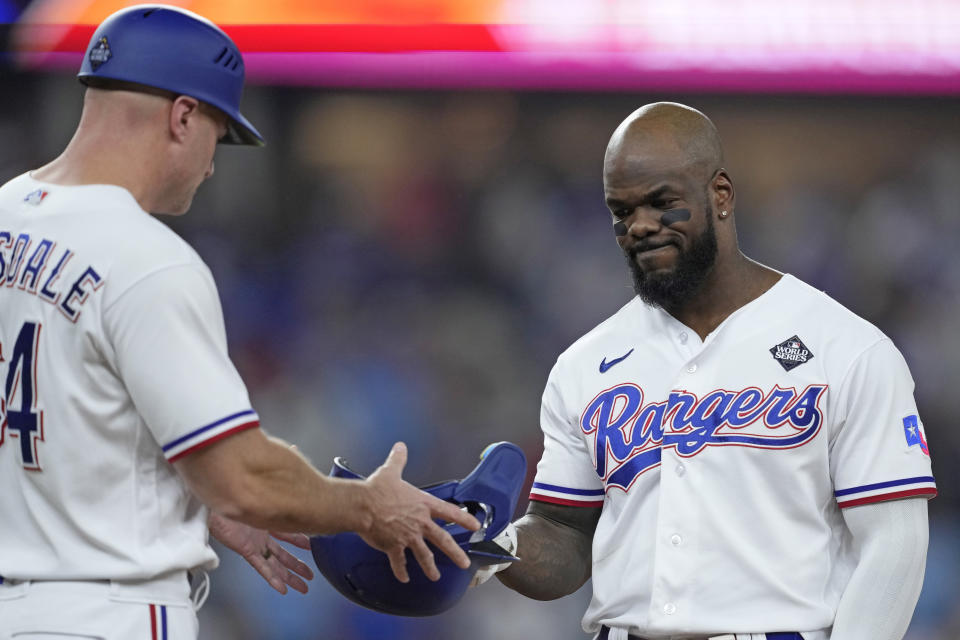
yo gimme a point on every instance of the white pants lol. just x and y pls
(92, 611)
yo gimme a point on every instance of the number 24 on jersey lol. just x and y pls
(19, 417)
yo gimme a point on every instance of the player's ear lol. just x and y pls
(722, 192)
(183, 116)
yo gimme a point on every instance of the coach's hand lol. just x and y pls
(278, 566)
(403, 517)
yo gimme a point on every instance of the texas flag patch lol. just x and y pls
(913, 431)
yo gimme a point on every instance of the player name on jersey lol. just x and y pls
(23, 265)
(629, 435)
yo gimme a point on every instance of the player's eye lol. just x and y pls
(621, 212)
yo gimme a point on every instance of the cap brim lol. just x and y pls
(240, 131)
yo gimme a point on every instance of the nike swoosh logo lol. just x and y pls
(605, 366)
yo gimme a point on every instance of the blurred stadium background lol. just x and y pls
(425, 232)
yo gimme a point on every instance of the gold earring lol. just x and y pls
(723, 214)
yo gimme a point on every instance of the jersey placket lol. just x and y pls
(677, 540)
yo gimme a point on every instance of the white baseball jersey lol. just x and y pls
(114, 362)
(722, 465)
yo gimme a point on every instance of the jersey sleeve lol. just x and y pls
(169, 341)
(880, 451)
(565, 474)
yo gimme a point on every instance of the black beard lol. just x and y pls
(674, 289)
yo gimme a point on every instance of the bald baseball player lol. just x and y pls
(123, 422)
(732, 455)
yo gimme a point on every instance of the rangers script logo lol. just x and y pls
(628, 435)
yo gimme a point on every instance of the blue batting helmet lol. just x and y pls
(363, 574)
(175, 50)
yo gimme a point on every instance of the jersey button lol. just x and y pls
(675, 540)
(692, 368)
(669, 608)
(683, 338)
(680, 470)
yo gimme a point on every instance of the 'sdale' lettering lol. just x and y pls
(629, 435)
(23, 267)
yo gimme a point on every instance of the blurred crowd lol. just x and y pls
(407, 266)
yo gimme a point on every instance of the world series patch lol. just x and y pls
(100, 53)
(791, 353)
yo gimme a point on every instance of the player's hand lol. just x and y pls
(403, 518)
(261, 550)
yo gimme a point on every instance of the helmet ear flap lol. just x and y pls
(362, 573)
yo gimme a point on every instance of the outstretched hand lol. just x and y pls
(261, 550)
(403, 518)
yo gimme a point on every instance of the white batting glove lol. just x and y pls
(508, 540)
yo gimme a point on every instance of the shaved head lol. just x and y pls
(156, 144)
(664, 183)
(121, 113)
(672, 204)
(671, 134)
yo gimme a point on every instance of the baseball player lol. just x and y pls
(732, 455)
(122, 418)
